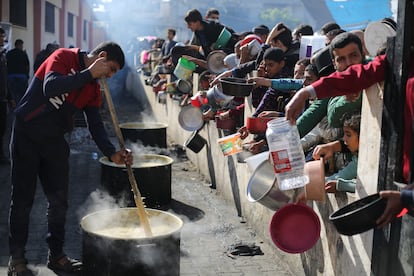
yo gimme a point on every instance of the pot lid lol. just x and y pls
(190, 118)
(215, 62)
(295, 228)
(376, 35)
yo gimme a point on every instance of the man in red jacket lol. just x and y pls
(361, 77)
(64, 83)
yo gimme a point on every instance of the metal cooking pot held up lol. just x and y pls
(184, 86)
(263, 188)
(236, 87)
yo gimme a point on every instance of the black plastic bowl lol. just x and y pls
(358, 216)
(236, 87)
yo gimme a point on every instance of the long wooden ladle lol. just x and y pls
(137, 195)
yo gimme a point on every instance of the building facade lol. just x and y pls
(39, 22)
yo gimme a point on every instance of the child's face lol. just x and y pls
(351, 139)
(299, 71)
(309, 77)
(273, 68)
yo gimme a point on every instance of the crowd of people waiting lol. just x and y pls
(328, 126)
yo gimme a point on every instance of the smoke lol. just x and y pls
(100, 200)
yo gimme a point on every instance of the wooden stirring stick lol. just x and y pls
(137, 195)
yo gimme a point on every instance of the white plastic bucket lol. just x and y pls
(309, 44)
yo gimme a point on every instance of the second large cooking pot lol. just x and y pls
(153, 176)
(149, 134)
(114, 243)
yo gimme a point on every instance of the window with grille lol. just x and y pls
(18, 13)
(49, 17)
(70, 24)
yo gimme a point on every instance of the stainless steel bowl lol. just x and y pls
(264, 189)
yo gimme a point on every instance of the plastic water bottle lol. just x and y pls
(286, 153)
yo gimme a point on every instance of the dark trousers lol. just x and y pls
(49, 160)
(3, 125)
(17, 86)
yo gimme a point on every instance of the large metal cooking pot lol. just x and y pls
(150, 134)
(152, 173)
(113, 243)
(263, 188)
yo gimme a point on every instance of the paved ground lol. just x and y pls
(211, 224)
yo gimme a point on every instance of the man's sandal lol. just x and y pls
(64, 264)
(19, 267)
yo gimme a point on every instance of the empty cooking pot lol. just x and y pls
(236, 87)
(215, 62)
(359, 216)
(195, 142)
(162, 97)
(225, 123)
(184, 86)
(315, 189)
(190, 118)
(295, 228)
(257, 125)
(263, 188)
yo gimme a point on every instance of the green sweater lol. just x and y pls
(346, 177)
(334, 108)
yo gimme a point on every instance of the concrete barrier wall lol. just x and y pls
(334, 254)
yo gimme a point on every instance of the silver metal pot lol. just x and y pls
(184, 86)
(263, 188)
